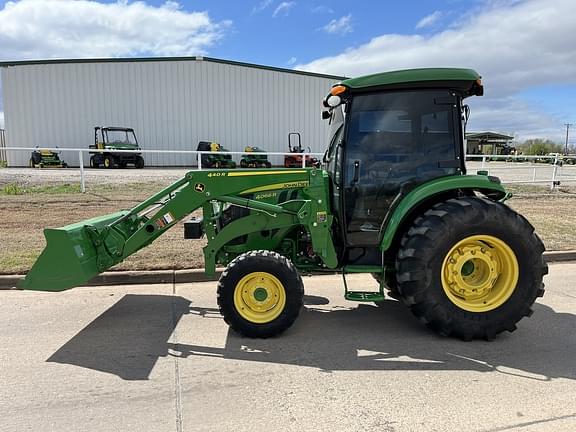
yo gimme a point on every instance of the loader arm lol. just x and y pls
(76, 253)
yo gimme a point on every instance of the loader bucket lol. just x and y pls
(69, 258)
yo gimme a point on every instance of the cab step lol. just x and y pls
(364, 296)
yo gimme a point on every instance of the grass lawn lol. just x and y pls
(26, 211)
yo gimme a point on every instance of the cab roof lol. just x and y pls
(457, 78)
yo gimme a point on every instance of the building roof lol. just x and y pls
(489, 135)
(411, 76)
(165, 59)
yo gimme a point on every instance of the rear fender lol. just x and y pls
(432, 191)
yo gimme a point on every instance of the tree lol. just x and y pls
(539, 147)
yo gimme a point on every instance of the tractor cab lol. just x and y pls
(390, 133)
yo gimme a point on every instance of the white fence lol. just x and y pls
(198, 166)
(2, 146)
(551, 170)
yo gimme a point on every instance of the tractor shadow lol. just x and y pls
(128, 339)
(388, 337)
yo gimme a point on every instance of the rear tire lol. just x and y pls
(94, 163)
(470, 268)
(260, 294)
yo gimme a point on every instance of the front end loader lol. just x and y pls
(392, 199)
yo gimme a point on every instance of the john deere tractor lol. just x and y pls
(392, 199)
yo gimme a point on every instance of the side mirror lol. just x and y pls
(326, 115)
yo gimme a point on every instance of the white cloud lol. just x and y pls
(283, 8)
(84, 28)
(514, 45)
(322, 10)
(511, 115)
(341, 25)
(292, 61)
(429, 20)
(261, 6)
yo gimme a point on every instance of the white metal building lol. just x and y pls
(172, 103)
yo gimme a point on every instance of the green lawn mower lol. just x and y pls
(392, 199)
(44, 158)
(214, 159)
(251, 159)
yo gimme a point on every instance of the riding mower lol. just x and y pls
(214, 160)
(111, 139)
(392, 199)
(295, 161)
(252, 160)
(44, 158)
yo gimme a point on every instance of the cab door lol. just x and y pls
(394, 142)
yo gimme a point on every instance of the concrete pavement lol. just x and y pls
(160, 358)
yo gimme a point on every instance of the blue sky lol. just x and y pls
(525, 49)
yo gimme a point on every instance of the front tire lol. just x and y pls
(139, 163)
(470, 268)
(108, 162)
(262, 303)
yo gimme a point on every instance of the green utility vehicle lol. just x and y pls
(251, 159)
(45, 158)
(393, 199)
(110, 140)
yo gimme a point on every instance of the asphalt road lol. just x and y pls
(160, 358)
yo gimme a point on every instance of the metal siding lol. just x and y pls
(171, 105)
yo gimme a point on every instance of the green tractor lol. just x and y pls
(111, 141)
(251, 159)
(392, 199)
(45, 158)
(214, 159)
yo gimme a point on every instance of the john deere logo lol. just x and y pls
(199, 187)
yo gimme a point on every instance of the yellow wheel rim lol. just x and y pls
(259, 297)
(106, 163)
(480, 273)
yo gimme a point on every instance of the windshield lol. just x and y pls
(120, 137)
